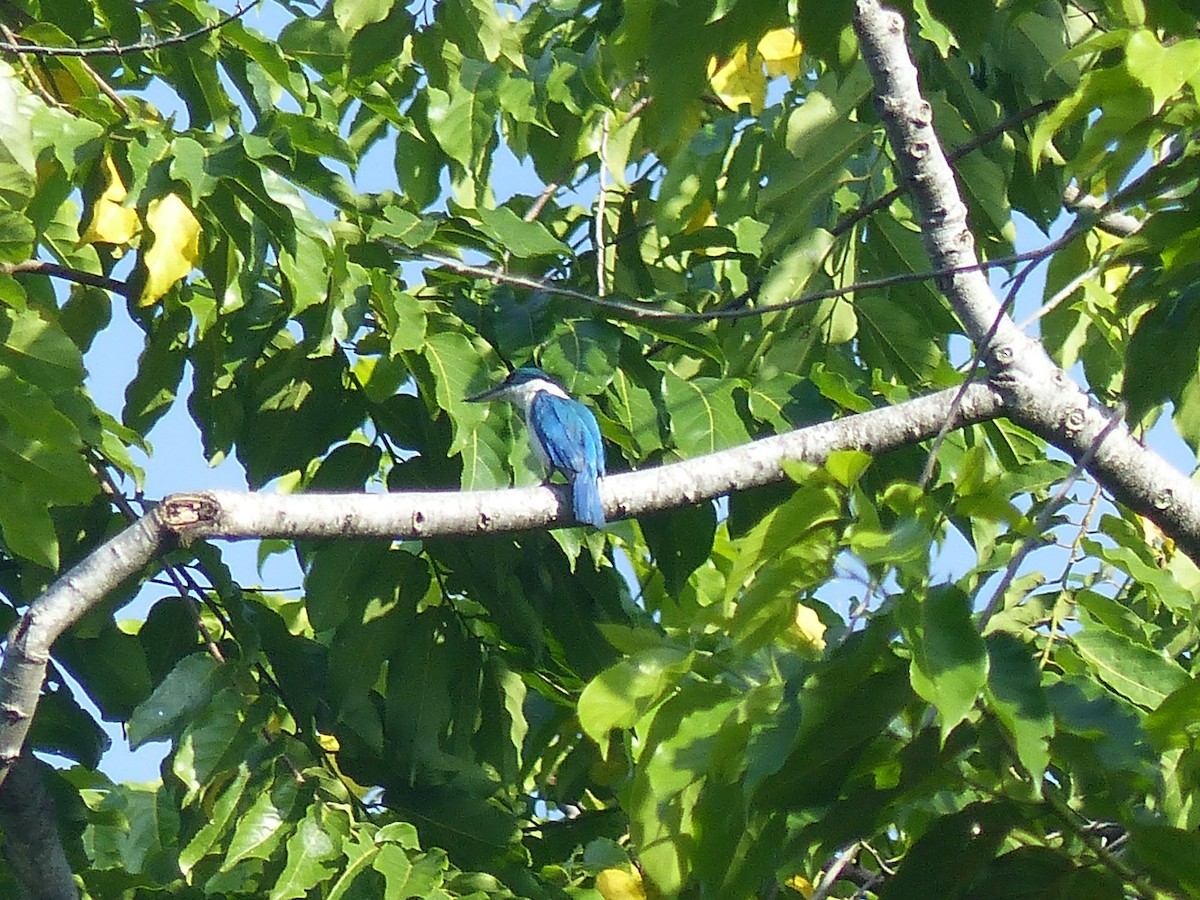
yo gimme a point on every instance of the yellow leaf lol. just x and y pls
(702, 217)
(1112, 278)
(809, 628)
(175, 249)
(739, 80)
(328, 742)
(781, 50)
(617, 884)
(800, 885)
(66, 89)
(111, 222)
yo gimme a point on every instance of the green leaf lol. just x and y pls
(1175, 723)
(789, 545)
(518, 237)
(680, 541)
(630, 404)
(111, 664)
(155, 385)
(463, 118)
(704, 416)
(39, 352)
(1173, 854)
(619, 696)
(406, 227)
(188, 688)
(394, 865)
(337, 577)
(1162, 69)
(228, 798)
(359, 854)
(261, 827)
(17, 236)
(61, 726)
(215, 740)
(896, 338)
(25, 522)
(1134, 671)
(692, 174)
(582, 354)
(787, 278)
(453, 362)
(847, 466)
(1014, 694)
(309, 852)
(950, 662)
(478, 829)
(948, 856)
(16, 145)
(679, 744)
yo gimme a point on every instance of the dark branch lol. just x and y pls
(121, 49)
(652, 312)
(54, 270)
(32, 845)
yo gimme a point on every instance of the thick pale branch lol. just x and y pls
(233, 514)
(1036, 393)
(908, 119)
(29, 641)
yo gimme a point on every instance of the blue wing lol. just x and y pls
(570, 437)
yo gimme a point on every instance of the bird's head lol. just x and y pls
(520, 387)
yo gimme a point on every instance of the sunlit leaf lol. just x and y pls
(112, 221)
(176, 246)
(739, 80)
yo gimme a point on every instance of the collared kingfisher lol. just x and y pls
(563, 433)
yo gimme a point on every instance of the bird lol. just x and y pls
(563, 433)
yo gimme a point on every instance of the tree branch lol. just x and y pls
(1036, 393)
(740, 311)
(119, 49)
(54, 270)
(32, 844)
(234, 515)
(29, 641)
(237, 515)
(1115, 223)
(853, 218)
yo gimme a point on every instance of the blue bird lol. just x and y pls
(563, 432)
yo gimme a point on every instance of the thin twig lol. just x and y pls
(601, 202)
(830, 876)
(34, 81)
(954, 156)
(1069, 817)
(106, 88)
(1073, 557)
(651, 312)
(540, 203)
(12, 46)
(1067, 290)
(1043, 520)
(981, 350)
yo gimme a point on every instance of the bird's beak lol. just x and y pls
(485, 395)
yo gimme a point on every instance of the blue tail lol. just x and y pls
(585, 497)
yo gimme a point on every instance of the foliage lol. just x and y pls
(689, 704)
